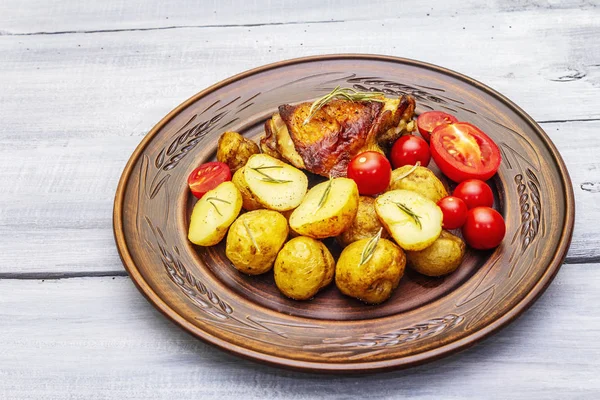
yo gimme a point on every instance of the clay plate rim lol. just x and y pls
(404, 362)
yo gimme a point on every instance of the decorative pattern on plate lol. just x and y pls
(371, 344)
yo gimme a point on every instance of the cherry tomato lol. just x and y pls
(207, 177)
(474, 193)
(371, 171)
(408, 150)
(454, 211)
(463, 151)
(430, 120)
(484, 228)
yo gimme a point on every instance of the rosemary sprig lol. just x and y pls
(251, 236)
(342, 93)
(267, 167)
(269, 178)
(370, 247)
(411, 214)
(407, 173)
(218, 199)
(325, 194)
(216, 208)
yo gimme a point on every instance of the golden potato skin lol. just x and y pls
(249, 200)
(235, 150)
(374, 281)
(422, 180)
(365, 225)
(304, 266)
(444, 256)
(270, 231)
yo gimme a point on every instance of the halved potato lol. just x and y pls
(327, 210)
(275, 184)
(414, 221)
(249, 201)
(213, 214)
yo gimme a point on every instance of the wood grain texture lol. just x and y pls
(98, 338)
(66, 15)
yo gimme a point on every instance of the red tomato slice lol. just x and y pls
(462, 151)
(430, 120)
(207, 177)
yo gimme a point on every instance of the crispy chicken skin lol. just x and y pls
(337, 132)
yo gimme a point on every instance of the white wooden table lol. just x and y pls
(82, 82)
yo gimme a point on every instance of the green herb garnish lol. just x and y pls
(325, 194)
(410, 213)
(269, 178)
(342, 93)
(370, 247)
(251, 236)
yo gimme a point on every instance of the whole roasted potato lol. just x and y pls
(235, 150)
(373, 278)
(254, 240)
(365, 224)
(422, 180)
(304, 266)
(441, 258)
(249, 200)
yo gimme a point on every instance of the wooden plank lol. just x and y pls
(57, 198)
(124, 82)
(67, 15)
(98, 338)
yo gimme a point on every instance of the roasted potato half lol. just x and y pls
(235, 150)
(414, 221)
(304, 266)
(365, 225)
(275, 184)
(254, 240)
(422, 180)
(249, 200)
(327, 210)
(213, 214)
(441, 258)
(370, 269)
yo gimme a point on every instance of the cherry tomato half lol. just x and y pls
(408, 150)
(474, 193)
(207, 177)
(430, 120)
(454, 211)
(371, 171)
(463, 151)
(484, 228)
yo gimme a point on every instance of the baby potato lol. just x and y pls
(327, 210)
(370, 279)
(254, 240)
(304, 266)
(249, 200)
(441, 258)
(365, 224)
(235, 150)
(422, 180)
(275, 185)
(213, 214)
(413, 220)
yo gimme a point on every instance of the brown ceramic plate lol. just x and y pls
(426, 318)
